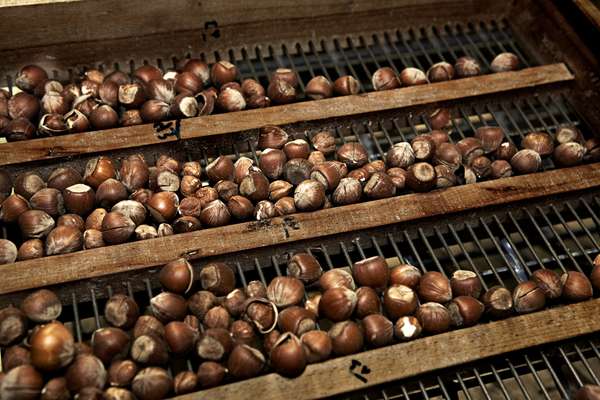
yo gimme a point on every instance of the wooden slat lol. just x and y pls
(232, 238)
(591, 10)
(119, 138)
(428, 354)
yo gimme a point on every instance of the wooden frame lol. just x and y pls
(419, 356)
(251, 235)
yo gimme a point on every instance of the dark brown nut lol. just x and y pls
(287, 356)
(72, 220)
(526, 161)
(421, 177)
(147, 73)
(180, 337)
(262, 313)
(444, 177)
(505, 62)
(225, 189)
(108, 92)
(528, 297)
(549, 282)
(131, 118)
(117, 228)
(18, 129)
(592, 149)
(305, 267)
(121, 373)
(441, 71)
(163, 206)
(177, 276)
(52, 125)
(352, 154)
(13, 325)
(245, 362)
(5, 184)
(52, 347)
(118, 77)
(399, 300)
(215, 213)
(42, 306)
(131, 95)
(498, 302)
(337, 304)
(319, 88)
(134, 172)
(200, 302)
(317, 346)
(188, 83)
(576, 286)
(285, 206)
(470, 148)
(379, 186)
(255, 186)
(466, 67)
(505, 151)
(223, 72)
(407, 328)
(271, 162)
(110, 343)
(490, 136)
(595, 275)
(149, 325)
(346, 338)
(168, 307)
(434, 317)
(465, 283)
(56, 389)
(405, 274)
(298, 148)
(256, 289)
(375, 166)
(367, 302)
(500, 169)
(285, 74)
(587, 392)
(279, 189)
(217, 317)
(104, 117)
(86, 371)
(434, 287)
(296, 320)
(121, 311)
(413, 76)
(540, 142)
(240, 207)
(348, 191)
(439, 137)
(297, 170)
(235, 302)
(217, 278)
(22, 382)
(30, 249)
(27, 184)
(154, 111)
(191, 168)
(98, 170)
(242, 332)
(198, 68)
(324, 142)
(35, 224)
(185, 382)
(309, 195)
(149, 350)
(566, 134)
(385, 79)
(48, 200)
(285, 291)
(372, 272)
(465, 311)
(379, 331)
(30, 77)
(252, 89)
(92, 239)
(423, 147)
(242, 168)
(12, 207)
(211, 374)
(336, 277)
(328, 174)
(164, 230)
(281, 92)
(152, 383)
(482, 167)
(346, 85)
(79, 199)
(110, 192)
(85, 104)
(132, 209)
(569, 154)
(23, 105)
(271, 136)
(115, 393)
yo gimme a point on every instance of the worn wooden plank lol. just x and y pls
(119, 138)
(591, 10)
(428, 354)
(233, 238)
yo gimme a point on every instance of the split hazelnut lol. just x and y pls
(131, 95)
(346, 338)
(444, 177)
(385, 79)
(435, 287)
(42, 306)
(566, 134)
(498, 302)
(262, 313)
(466, 67)
(528, 297)
(470, 148)
(549, 282)
(423, 147)
(319, 88)
(407, 328)
(413, 76)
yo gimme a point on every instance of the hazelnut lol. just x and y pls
(528, 297)
(154, 111)
(271, 162)
(14, 356)
(423, 147)
(235, 301)
(223, 72)
(399, 300)
(164, 230)
(287, 356)
(569, 154)
(465, 311)
(219, 169)
(336, 277)
(28, 183)
(285, 291)
(198, 68)
(185, 382)
(413, 76)
(379, 186)
(18, 129)
(498, 302)
(297, 170)
(296, 320)
(191, 168)
(151, 383)
(13, 325)
(146, 73)
(52, 347)
(281, 91)
(240, 207)
(134, 172)
(186, 224)
(592, 149)
(352, 154)
(421, 177)
(405, 274)
(42, 306)
(188, 83)
(121, 373)
(337, 304)
(231, 99)
(549, 282)
(319, 88)
(12, 207)
(119, 77)
(324, 142)
(490, 137)
(177, 276)
(200, 302)
(256, 289)
(131, 95)
(206, 194)
(218, 278)
(327, 173)
(210, 374)
(346, 85)
(56, 389)
(540, 142)
(526, 161)
(149, 350)
(372, 272)
(104, 117)
(400, 155)
(92, 239)
(309, 195)
(79, 199)
(98, 170)
(434, 317)
(317, 346)
(115, 393)
(121, 311)
(132, 209)
(251, 88)
(52, 125)
(168, 307)
(285, 206)
(110, 343)
(505, 62)
(86, 371)
(271, 136)
(440, 71)
(465, 283)
(262, 313)
(245, 362)
(576, 286)
(242, 168)
(108, 92)
(379, 331)
(22, 382)
(72, 220)
(85, 104)
(349, 191)
(500, 169)
(470, 148)
(48, 200)
(180, 337)
(148, 325)
(439, 137)
(466, 67)
(163, 206)
(144, 232)
(110, 192)
(117, 228)
(444, 177)
(35, 224)
(242, 332)
(23, 105)
(566, 134)
(407, 328)
(279, 189)
(435, 287)
(305, 267)
(215, 213)
(285, 74)
(28, 78)
(30, 249)
(367, 302)
(587, 392)
(385, 79)
(346, 338)
(225, 189)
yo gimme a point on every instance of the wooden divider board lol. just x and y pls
(249, 235)
(141, 135)
(417, 357)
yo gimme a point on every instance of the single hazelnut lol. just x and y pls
(231, 99)
(566, 134)
(164, 230)
(400, 155)
(168, 307)
(435, 287)
(279, 189)
(287, 356)
(56, 389)
(149, 350)
(337, 304)
(245, 362)
(148, 325)
(163, 206)
(444, 177)
(324, 142)
(198, 68)
(470, 148)
(549, 282)
(526, 161)
(117, 228)
(108, 92)
(134, 172)
(423, 147)
(434, 317)
(379, 331)
(12, 207)
(72, 220)
(285, 291)
(576, 286)
(309, 195)
(211, 374)
(27, 184)
(121, 311)
(145, 232)
(79, 199)
(18, 129)
(379, 186)
(219, 169)
(372, 272)
(352, 154)
(327, 173)
(180, 337)
(285, 206)
(500, 169)
(121, 373)
(317, 346)
(92, 239)
(177, 276)
(29, 249)
(281, 91)
(540, 142)
(367, 302)
(336, 277)
(23, 105)
(132, 209)
(240, 207)
(297, 170)
(154, 111)
(242, 332)
(439, 137)
(407, 328)
(399, 300)
(466, 67)
(465, 311)
(104, 117)
(440, 71)
(498, 302)
(569, 154)
(147, 73)
(35, 224)
(413, 76)
(131, 95)
(271, 162)
(305, 267)
(29, 77)
(528, 297)
(152, 383)
(48, 200)
(349, 191)
(319, 88)
(251, 88)
(188, 83)
(346, 85)
(271, 136)
(385, 79)
(186, 224)
(505, 62)
(465, 283)
(262, 313)
(297, 320)
(200, 302)
(110, 343)
(185, 382)
(98, 170)
(405, 274)
(52, 347)
(13, 325)
(63, 240)
(22, 382)
(346, 338)
(256, 289)
(85, 371)
(217, 317)
(490, 137)
(421, 177)
(223, 72)
(218, 278)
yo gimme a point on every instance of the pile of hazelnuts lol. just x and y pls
(96, 101)
(231, 333)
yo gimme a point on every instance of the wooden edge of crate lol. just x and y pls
(423, 355)
(590, 10)
(103, 261)
(218, 124)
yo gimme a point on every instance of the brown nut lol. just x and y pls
(465, 311)
(235, 302)
(444, 177)
(407, 328)
(434, 317)
(349, 191)
(30, 77)
(148, 325)
(110, 343)
(52, 347)
(116, 227)
(500, 169)
(215, 213)
(526, 161)
(317, 346)
(152, 383)
(379, 331)
(49, 200)
(242, 168)
(132, 209)
(218, 278)
(549, 282)
(35, 224)
(121, 311)
(27, 184)
(324, 142)
(242, 332)
(309, 195)
(63, 240)
(372, 272)
(17, 129)
(42, 306)
(217, 317)
(72, 220)
(22, 382)
(177, 276)
(262, 313)
(149, 350)
(30, 249)
(466, 67)
(297, 170)
(200, 302)
(245, 362)
(367, 302)
(79, 199)
(576, 286)
(385, 79)
(405, 274)
(180, 337)
(434, 287)
(490, 136)
(92, 239)
(98, 170)
(23, 105)
(281, 91)
(441, 71)
(423, 147)
(346, 338)
(505, 151)
(297, 320)
(337, 304)
(168, 307)
(569, 154)
(163, 206)
(413, 76)
(211, 374)
(587, 392)
(121, 373)
(540, 142)
(223, 72)
(287, 355)
(336, 277)
(352, 154)
(13, 325)
(498, 302)
(421, 177)
(399, 300)
(12, 207)
(528, 297)
(240, 207)
(379, 186)
(328, 174)
(305, 267)
(505, 62)
(86, 371)
(470, 148)
(285, 206)
(231, 99)
(465, 283)
(285, 291)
